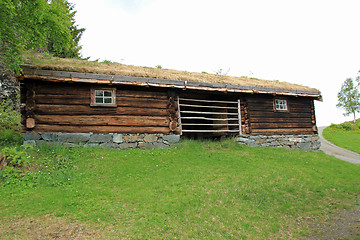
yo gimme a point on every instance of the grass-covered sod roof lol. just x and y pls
(84, 66)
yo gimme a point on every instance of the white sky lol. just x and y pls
(315, 43)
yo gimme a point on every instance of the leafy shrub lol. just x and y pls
(13, 165)
(27, 166)
(9, 117)
(9, 124)
(10, 136)
(347, 126)
(15, 156)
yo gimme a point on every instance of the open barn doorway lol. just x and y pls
(209, 117)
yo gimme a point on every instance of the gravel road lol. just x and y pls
(338, 152)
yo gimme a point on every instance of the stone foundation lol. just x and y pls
(107, 140)
(303, 142)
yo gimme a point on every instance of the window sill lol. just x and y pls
(102, 105)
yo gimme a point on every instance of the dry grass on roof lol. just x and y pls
(78, 65)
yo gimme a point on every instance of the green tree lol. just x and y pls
(349, 97)
(37, 25)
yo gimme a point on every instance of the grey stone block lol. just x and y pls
(51, 137)
(242, 139)
(91, 145)
(150, 138)
(100, 138)
(171, 138)
(30, 142)
(160, 145)
(127, 145)
(304, 145)
(146, 145)
(32, 136)
(108, 145)
(74, 137)
(118, 138)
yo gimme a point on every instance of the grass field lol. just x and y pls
(211, 190)
(345, 135)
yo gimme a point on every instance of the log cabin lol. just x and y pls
(115, 105)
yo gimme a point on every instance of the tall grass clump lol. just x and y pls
(26, 166)
(9, 124)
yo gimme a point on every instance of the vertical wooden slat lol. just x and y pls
(179, 114)
(239, 112)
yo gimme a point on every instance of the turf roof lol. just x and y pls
(85, 66)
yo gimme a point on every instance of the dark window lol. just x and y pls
(103, 97)
(280, 105)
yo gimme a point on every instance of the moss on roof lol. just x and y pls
(85, 66)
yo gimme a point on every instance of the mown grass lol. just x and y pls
(198, 189)
(345, 135)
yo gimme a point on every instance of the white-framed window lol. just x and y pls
(280, 105)
(103, 97)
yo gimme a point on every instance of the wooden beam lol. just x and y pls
(210, 131)
(239, 116)
(212, 119)
(50, 109)
(99, 120)
(215, 113)
(207, 101)
(210, 124)
(206, 106)
(100, 129)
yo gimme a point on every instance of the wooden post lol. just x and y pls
(239, 115)
(179, 115)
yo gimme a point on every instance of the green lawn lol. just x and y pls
(345, 135)
(199, 190)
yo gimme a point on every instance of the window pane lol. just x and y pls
(99, 93)
(280, 104)
(107, 93)
(107, 100)
(98, 100)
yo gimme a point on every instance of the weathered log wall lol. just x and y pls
(66, 107)
(263, 119)
(62, 107)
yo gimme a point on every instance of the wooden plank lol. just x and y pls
(210, 124)
(239, 116)
(279, 115)
(210, 131)
(100, 129)
(99, 120)
(281, 125)
(290, 110)
(62, 99)
(280, 120)
(80, 100)
(48, 109)
(206, 101)
(211, 113)
(282, 131)
(84, 90)
(212, 119)
(179, 114)
(205, 106)
(62, 89)
(141, 94)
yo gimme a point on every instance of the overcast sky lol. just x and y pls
(315, 43)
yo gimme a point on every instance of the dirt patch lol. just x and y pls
(46, 227)
(344, 224)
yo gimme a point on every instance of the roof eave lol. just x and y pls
(64, 76)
